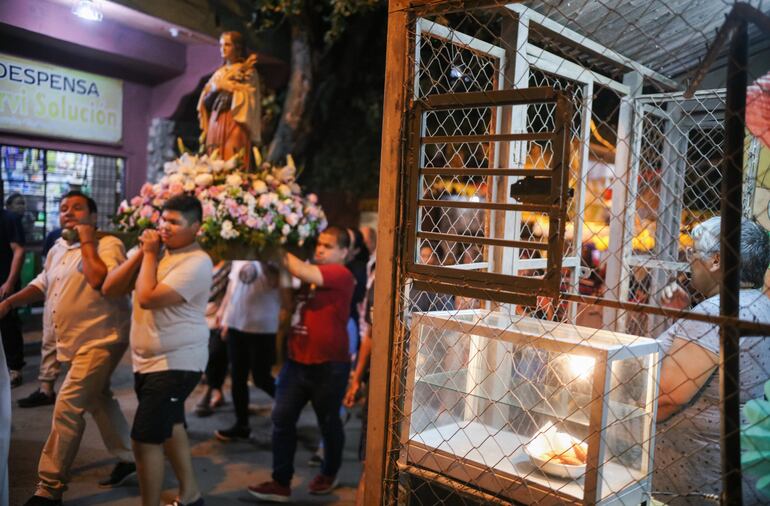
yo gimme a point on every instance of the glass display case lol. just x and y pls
(533, 410)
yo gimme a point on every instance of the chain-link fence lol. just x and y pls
(558, 336)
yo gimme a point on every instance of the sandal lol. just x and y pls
(197, 502)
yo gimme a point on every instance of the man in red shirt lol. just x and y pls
(317, 368)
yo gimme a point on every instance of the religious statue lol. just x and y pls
(229, 107)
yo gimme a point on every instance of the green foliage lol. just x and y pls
(334, 14)
(348, 45)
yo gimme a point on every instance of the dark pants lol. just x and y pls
(216, 368)
(255, 353)
(161, 403)
(13, 341)
(324, 386)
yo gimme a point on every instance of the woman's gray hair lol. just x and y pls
(755, 247)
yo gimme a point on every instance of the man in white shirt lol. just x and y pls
(169, 342)
(249, 318)
(91, 333)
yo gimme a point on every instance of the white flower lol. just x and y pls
(186, 164)
(234, 180)
(285, 174)
(231, 163)
(267, 198)
(204, 180)
(228, 232)
(259, 187)
(285, 230)
(217, 165)
(304, 231)
(189, 185)
(250, 200)
(202, 168)
(170, 167)
(284, 191)
(175, 179)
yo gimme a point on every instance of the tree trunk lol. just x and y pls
(292, 133)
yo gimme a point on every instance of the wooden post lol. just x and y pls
(386, 296)
(730, 255)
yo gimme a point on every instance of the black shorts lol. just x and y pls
(161, 403)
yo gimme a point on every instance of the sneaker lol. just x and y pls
(271, 491)
(322, 484)
(315, 461)
(233, 433)
(37, 500)
(16, 378)
(120, 473)
(37, 398)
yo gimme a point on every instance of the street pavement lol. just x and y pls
(224, 470)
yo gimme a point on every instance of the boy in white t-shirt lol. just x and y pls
(169, 343)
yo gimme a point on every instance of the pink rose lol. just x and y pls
(232, 207)
(136, 201)
(292, 219)
(312, 198)
(146, 212)
(146, 191)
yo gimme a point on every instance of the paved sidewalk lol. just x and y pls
(223, 469)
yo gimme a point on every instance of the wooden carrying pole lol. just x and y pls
(385, 291)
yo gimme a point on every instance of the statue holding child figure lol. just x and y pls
(229, 106)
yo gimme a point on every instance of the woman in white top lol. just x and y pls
(249, 318)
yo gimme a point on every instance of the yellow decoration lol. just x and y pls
(257, 156)
(180, 146)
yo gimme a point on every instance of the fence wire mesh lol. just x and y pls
(598, 395)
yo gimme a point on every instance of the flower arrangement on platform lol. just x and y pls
(245, 214)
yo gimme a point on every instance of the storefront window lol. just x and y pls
(42, 176)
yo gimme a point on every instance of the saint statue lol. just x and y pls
(229, 107)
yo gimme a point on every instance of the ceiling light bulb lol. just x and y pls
(87, 9)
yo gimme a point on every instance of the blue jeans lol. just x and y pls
(324, 386)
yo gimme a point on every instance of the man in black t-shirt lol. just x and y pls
(11, 260)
